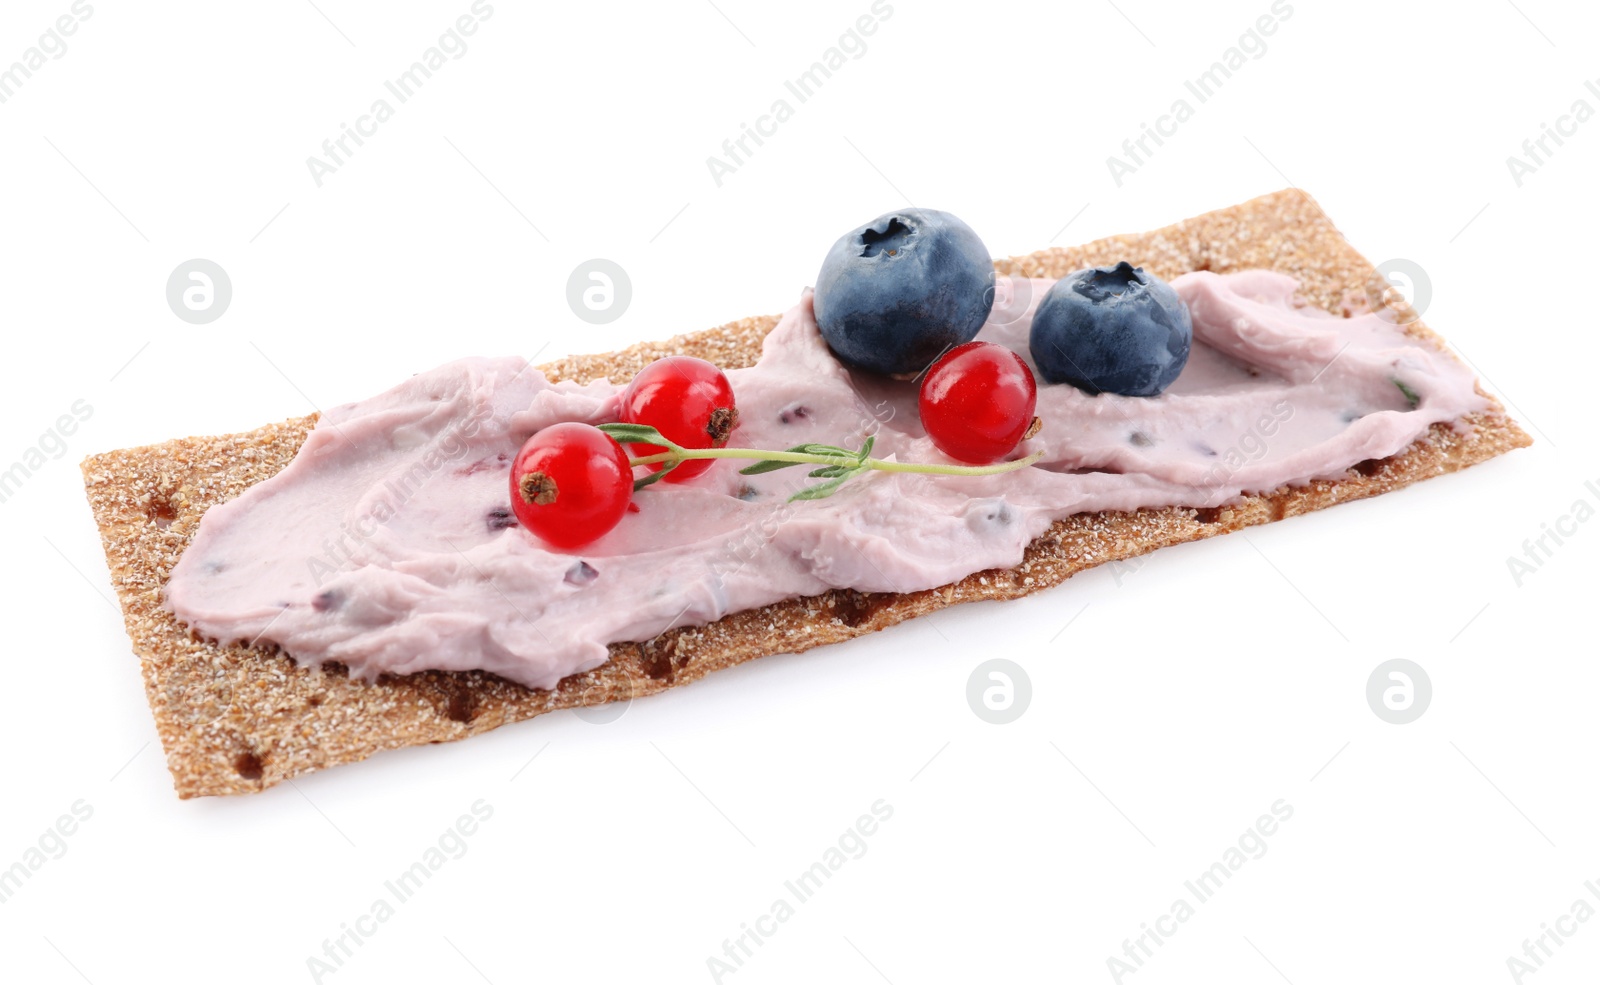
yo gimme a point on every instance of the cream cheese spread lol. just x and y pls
(388, 544)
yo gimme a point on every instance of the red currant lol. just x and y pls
(977, 402)
(570, 484)
(689, 401)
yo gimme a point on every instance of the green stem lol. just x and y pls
(879, 464)
(838, 464)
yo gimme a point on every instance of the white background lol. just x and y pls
(1186, 697)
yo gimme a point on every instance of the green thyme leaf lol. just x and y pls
(769, 465)
(829, 471)
(763, 467)
(642, 434)
(1412, 397)
(639, 484)
(823, 490)
(866, 448)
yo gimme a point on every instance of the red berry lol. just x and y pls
(977, 402)
(570, 484)
(689, 401)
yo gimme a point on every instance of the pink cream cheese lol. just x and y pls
(387, 544)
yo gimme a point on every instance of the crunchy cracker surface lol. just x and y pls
(235, 719)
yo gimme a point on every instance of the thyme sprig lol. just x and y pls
(835, 465)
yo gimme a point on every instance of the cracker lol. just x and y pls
(235, 719)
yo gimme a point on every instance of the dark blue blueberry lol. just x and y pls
(895, 293)
(1112, 330)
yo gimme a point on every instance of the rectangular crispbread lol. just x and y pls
(235, 719)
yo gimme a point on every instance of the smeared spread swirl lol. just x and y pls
(387, 544)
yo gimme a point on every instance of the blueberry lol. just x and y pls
(895, 293)
(1111, 329)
